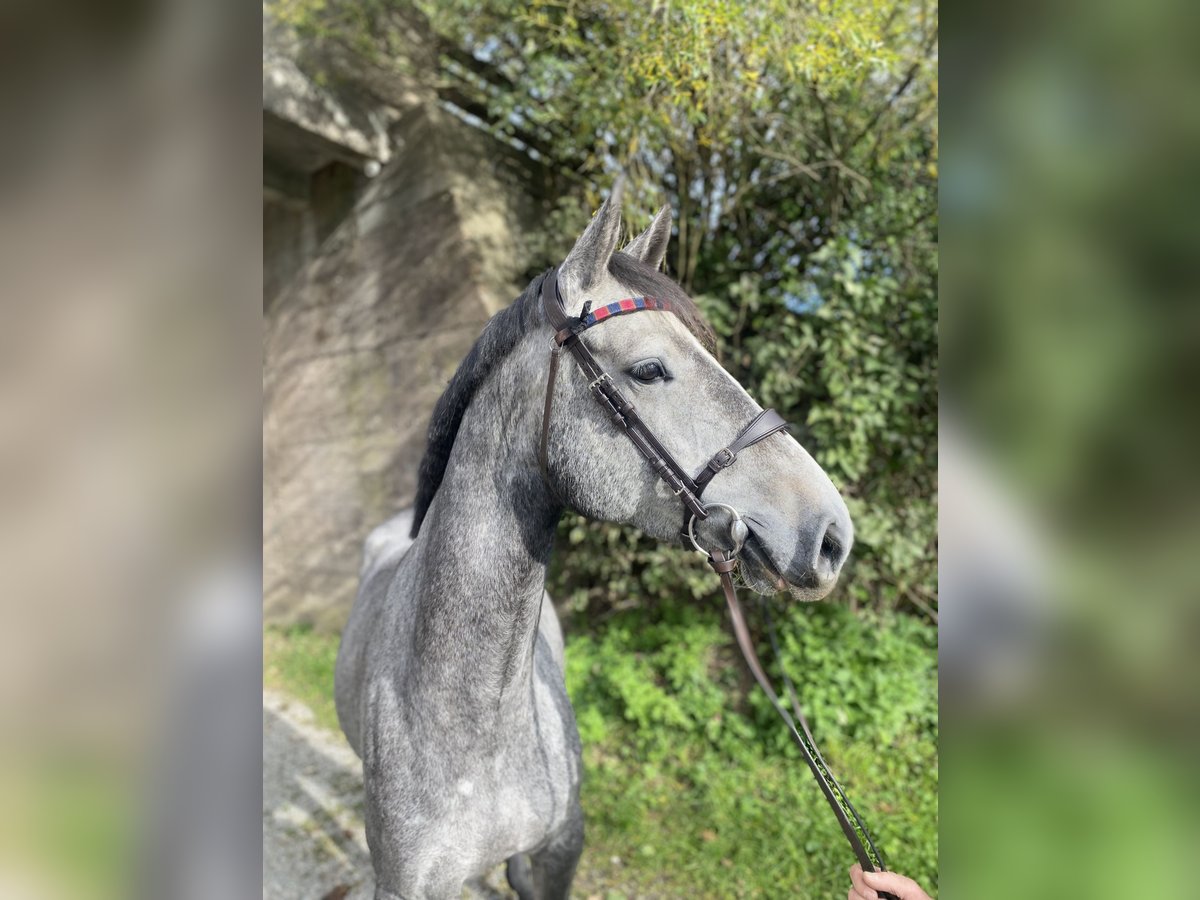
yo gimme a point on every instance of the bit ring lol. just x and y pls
(737, 535)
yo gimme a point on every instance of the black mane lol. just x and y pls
(500, 335)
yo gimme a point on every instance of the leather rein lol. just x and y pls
(689, 489)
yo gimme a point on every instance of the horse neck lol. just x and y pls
(485, 544)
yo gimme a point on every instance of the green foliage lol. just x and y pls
(679, 781)
(770, 124)
(848, 350)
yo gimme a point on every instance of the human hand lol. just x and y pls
(867, 885)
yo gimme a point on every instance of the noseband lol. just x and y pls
(568, 331)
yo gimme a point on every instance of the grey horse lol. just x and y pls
(449, 680)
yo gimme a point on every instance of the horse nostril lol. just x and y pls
(832, 552)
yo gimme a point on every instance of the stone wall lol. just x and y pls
(374, 290)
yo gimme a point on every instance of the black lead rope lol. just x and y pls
(871, 860)
(875, 854)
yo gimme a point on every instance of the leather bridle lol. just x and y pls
(567, 334)
(568, 331)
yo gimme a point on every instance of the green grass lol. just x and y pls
(299, 662)
(750, 828)
(693, 786)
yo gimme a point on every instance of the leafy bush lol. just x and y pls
(848, 354)
(676, 772)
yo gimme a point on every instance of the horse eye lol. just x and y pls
(648, 371)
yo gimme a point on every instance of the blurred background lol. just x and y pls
(800, 149)
(1069, 505)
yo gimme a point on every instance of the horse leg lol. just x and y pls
(554, 865)
(519, 873)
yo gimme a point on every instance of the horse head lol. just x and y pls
(799, 530)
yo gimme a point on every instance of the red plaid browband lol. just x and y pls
(620, 308)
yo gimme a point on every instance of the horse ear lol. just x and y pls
(651, 245)
(588, 260)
